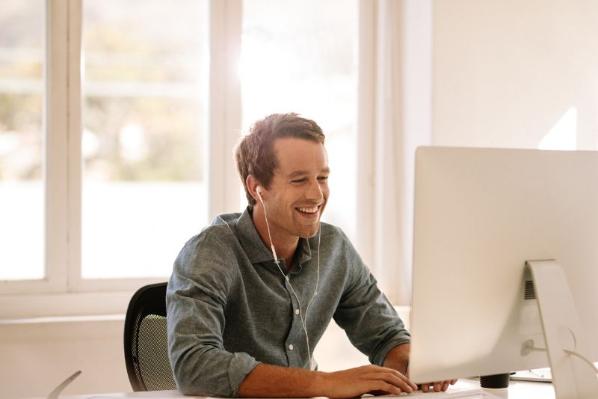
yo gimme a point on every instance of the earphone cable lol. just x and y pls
(301, 318)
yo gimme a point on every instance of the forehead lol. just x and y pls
(295, 154)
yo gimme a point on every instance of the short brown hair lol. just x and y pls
(255, 152)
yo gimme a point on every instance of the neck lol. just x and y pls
(284, 243)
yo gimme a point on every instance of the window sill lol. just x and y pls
(57, 306)
(62, 320)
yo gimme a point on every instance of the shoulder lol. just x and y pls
(337, 245)
(335, 238)
(331, 231)
(210, 242)
(213, 248)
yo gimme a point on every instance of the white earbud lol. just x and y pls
(258, 191)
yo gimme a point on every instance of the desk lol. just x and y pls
(516, 390)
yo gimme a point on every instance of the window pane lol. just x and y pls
(144, 121)
(307, 63)
(22, 30)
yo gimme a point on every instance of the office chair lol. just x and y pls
(145, 339)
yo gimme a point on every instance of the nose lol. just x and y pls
(314, 191)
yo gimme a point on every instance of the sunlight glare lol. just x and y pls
(563, 135)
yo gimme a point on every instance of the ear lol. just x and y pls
(252, 186)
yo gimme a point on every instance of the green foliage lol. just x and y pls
(115, 56)
(20, 112)
(172, 138)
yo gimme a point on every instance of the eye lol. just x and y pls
(323, 178)
(298, 181)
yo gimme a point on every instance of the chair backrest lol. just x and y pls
(146, 345)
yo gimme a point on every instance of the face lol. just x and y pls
(299, 190)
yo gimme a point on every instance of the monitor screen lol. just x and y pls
(480, 214)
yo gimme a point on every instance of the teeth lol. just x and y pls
(309, 210)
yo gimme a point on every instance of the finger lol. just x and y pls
(406, 379)
(437, 386)
(394, 377)
(383, 388)
(402, 376)
(445, 385)
(426, 387)
(398, 380)
(453, 382)
(412, 385)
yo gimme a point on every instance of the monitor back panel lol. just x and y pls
(479, 215)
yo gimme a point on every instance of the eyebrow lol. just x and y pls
(305, 172)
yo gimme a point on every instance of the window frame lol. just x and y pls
(63, 292)
(63, 167)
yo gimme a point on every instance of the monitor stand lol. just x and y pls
(573, 375)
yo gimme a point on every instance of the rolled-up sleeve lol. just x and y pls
(196, 299)
(367, 316)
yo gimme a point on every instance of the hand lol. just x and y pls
(371, 379)
(439, 386)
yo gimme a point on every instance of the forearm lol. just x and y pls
(398, 358)
(275, 381)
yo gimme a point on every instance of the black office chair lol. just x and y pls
(146, 346)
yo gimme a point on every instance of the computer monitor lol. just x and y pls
(480, 215)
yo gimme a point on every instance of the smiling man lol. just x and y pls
(252, 294)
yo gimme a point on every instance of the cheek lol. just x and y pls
(285, 204)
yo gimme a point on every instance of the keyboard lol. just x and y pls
(462, 389)
(535, 375)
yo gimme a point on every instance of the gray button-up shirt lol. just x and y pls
(230, 307)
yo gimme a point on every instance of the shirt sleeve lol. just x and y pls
(367, 316)
(196, 299)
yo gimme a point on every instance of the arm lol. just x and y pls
(398, 358)
(370, 321)
(275, 381)
(196, 297)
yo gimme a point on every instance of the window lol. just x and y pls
(144, 121)
(140, 120)
(307, 64)
(21, 140)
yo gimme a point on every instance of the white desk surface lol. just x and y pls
(516, 390)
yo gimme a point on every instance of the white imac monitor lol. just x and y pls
(480, 215)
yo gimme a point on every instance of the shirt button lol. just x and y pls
(291, 347)
(296, 311)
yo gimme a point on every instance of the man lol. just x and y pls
(252, 294)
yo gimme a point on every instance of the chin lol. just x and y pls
(309, 233)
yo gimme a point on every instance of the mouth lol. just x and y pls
(309, 212)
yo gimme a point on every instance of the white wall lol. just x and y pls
(37, 355)
(505, 73)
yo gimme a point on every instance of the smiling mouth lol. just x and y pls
(309, 211)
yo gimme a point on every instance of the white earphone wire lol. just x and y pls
(303, 319)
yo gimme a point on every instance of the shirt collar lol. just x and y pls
(256, 249)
